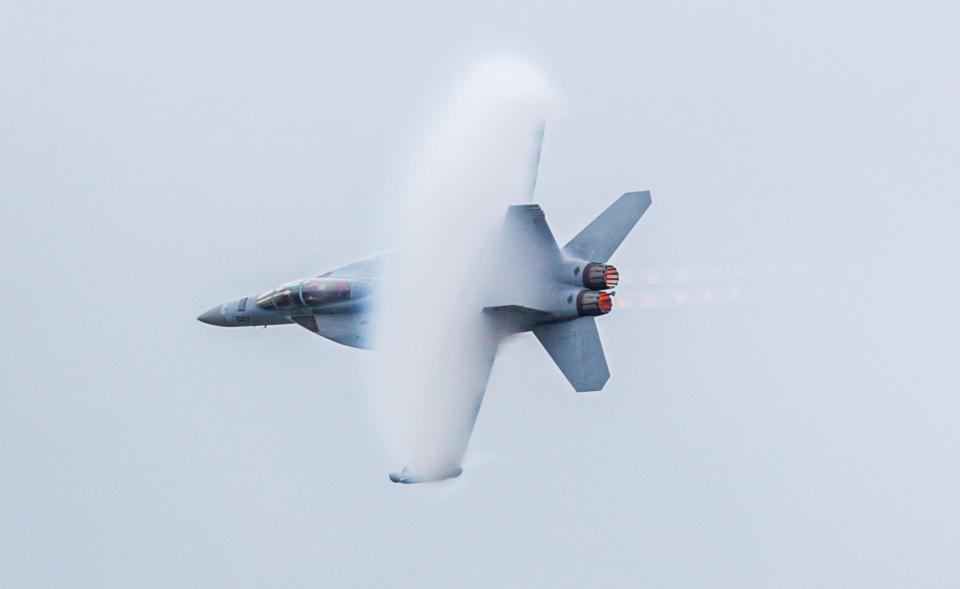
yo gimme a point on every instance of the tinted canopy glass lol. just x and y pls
(312, 292)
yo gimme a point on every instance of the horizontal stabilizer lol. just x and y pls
(602, 237)
(514, 318)
(575, 347)
(516, 309)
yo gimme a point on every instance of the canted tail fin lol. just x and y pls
(574, 344)
(603, 235)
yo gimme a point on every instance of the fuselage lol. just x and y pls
(292, 300)
(525, 283)
(341, 308)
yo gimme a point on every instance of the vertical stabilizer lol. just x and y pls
(603, 235)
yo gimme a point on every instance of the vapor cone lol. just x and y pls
(435, 350)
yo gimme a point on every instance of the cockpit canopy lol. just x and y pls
(313, 292)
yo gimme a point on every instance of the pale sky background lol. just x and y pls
(159, 158)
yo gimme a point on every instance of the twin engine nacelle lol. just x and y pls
(598, 276)
(593, 303)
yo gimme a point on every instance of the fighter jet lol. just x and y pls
(557, 293)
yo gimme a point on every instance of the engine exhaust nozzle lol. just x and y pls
(594, 303)
(598, 276)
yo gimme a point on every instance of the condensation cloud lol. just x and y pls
(478, 158)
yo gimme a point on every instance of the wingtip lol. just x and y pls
(641, 196)
(593, 387)
(405, 477)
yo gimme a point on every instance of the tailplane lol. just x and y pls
(575, 347)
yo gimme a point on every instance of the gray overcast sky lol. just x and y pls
(157, 158)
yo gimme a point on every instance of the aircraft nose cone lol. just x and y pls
(212, 316)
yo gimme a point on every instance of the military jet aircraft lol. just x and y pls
(557, 294)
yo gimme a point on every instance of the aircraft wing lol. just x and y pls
(535, 159)
(441, 414)
(446, 422)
